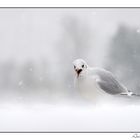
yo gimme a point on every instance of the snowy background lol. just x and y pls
(37, 48)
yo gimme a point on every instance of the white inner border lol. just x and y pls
(70, 3)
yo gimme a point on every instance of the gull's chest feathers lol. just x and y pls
(87, 85)
(87, 82)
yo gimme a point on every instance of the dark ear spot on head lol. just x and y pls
(83, 66)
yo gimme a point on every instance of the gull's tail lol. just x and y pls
(130, 93)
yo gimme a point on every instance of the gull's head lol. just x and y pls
(79, 66)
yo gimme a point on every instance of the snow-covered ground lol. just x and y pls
(69, 115)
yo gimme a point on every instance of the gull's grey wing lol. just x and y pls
(108, 83)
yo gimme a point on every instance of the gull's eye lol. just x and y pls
(82, 66)
(74, 67)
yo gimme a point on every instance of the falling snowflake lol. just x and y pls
(30, 69)
(138, 30)
(40, 78)
(20, 83)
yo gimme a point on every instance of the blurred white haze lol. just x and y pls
(37, 48)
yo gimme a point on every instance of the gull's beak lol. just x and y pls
(78, 71)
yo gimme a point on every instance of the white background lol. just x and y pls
(70, 3)
(68, 136)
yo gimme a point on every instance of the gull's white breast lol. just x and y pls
(87, 87)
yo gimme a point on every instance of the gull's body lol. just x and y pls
(96, 82)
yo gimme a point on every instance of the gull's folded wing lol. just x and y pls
(108, 83)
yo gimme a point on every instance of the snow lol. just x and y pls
(20, 83)
(70, 115)
(40, 78)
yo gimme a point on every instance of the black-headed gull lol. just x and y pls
(96, 81)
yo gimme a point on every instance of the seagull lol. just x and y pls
(95, 82)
